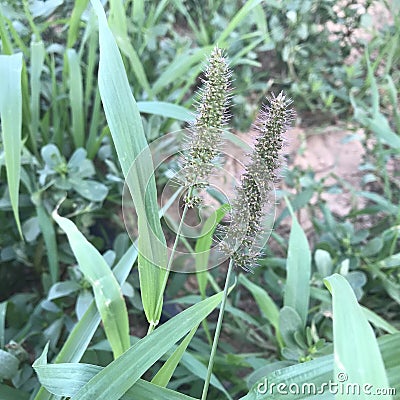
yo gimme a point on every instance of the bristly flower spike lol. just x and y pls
(253, 195)
(204, 138)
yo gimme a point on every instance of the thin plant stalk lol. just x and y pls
(171, 258)
(217, 332)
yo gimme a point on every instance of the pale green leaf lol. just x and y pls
(165, 109)
(76, 98)
(128, 368)
(357, 355)
(165, 373)
(11, 124)
(107, 291)
(298, 270)
(126, 128)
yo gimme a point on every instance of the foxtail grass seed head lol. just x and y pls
(249, 209)
(204, 138)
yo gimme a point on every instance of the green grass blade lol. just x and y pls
(76, 98)
(392, 92)
(203, 244)
(82, 333)
(127, 369)
(373, 86)
(58, 379)
(137, 66)
(49, 236)
(180, 66)
(320, 372)
(18, 40)
(263, 300)
(126, 128)
(165, 373)
(378, 321)
(237, 19)
(3, 309)
(380, 126)
(91, 50)
(5, 40)
(357, 354)
(74, 21)
(37, 62)
(107, 291)
(197, 368)
(11, 123)
(94, 140)
(165, 109)
(316, 371)
(57, 137)
(298, 270)
(118, 25)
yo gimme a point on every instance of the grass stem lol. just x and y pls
(217, 332)
(168, 269)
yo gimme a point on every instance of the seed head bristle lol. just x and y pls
(253, 195)
(204, 138)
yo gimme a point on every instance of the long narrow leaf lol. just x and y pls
(378, 321)
(79, 8)
(3, 309)
(165, 110)
(11, 123)
(180, 66)
(203, 245)
(298, 269)
(314, 379)
(76, 98)
(357, 356)
(80, 337)
(126, 128)
(127, 369)
(237, 19)
(37, 62)
(49, 236)
(107, 291)
(57, 379)
(118, 25)
(263, 300)
(165, 373)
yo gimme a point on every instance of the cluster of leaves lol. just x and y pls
(312, 42)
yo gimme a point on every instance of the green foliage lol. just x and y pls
(312, 40)
(11, 121)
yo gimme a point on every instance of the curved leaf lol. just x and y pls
(130, 366)
(126, 128)
(11, 125)
(357, 356)
(107, 291)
